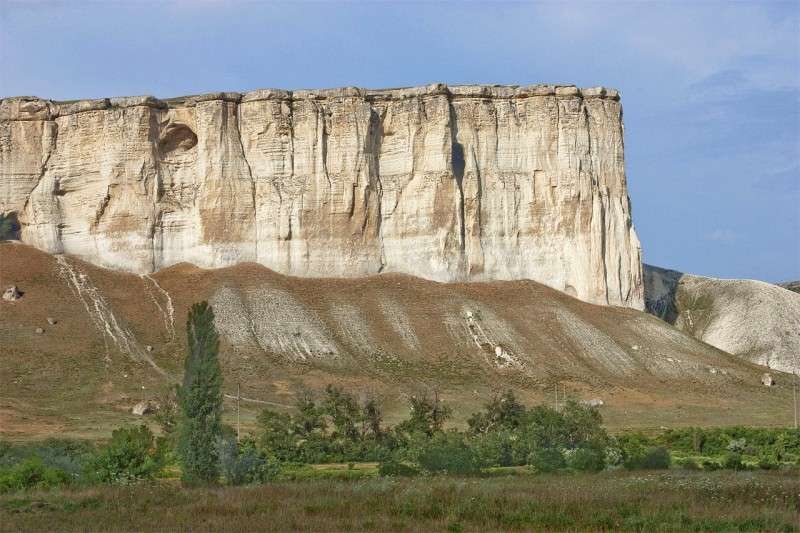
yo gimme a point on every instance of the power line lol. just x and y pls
(253, 400)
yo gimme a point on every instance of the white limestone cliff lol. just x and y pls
(459, 183)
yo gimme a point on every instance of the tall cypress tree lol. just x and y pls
(200, 398)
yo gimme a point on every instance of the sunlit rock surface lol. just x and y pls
(461, 183)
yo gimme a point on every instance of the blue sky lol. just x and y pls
(711, 91)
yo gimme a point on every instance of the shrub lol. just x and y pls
(717, 441)
(494, 448)
(653, 458)
(615, 457)
(733, 461)
(711, 465)
(32, 473)
(547, 460)
(767, 463)
(577, 426)
(688, 464)
(131, 455)
(68, 455)
(737, 445)
(447, 452)
(168, 413)
(588, 460)
(243, 463)
(392, 468)
(277, 436)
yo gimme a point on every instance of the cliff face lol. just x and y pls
(459, 183)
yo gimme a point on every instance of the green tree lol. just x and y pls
(447, 452)
(130, 456)
(547, 460)
(344, 412)
(277, 435)
(428, 416)
(371, 419)
(309, 422)
(502, 412)
(200, 398)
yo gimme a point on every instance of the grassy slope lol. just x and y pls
(74, 381)
(618, 501)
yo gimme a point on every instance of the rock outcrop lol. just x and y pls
(463, 183)
(12, 294)
(752, 319)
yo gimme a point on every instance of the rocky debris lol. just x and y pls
(40, 330)
(145, 407)
(148, 348)
(52, 321)
(102, 314)
(504, 358)
(461, 183)
(12, 294)
(767, 380)
(594, 402)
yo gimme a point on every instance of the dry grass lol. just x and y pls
(73, 382)
(718, 501)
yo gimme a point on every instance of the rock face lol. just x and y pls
(463, 183)
(12, 294)
(752, 319)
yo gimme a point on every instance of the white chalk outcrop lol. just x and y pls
(751, 319)
(447, 183)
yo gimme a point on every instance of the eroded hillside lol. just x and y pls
(754, 320)
(387, 335)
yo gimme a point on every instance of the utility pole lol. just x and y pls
(238, 427)
(556, 395)
(794, 394)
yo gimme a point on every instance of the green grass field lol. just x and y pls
(611, 501)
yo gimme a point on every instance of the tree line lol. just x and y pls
(337, 427)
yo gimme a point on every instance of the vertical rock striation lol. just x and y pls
(455, 183)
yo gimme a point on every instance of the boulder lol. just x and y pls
(142, 408)
(767, 380)
(594, 402)
(12, 294)
(52, 321)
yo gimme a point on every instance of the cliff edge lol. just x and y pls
(461, 183)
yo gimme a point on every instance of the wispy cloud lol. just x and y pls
(722, 235)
